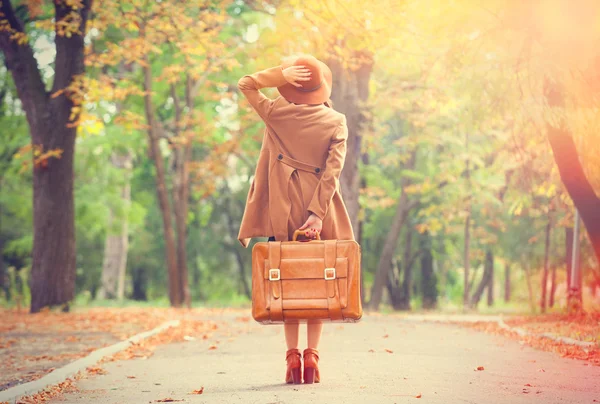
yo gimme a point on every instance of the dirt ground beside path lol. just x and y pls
(380, 360)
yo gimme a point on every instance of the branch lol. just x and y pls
(22, 64)
(566, 157)
(69, 46)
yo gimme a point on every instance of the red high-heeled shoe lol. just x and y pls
(294, 365)
(311, 366)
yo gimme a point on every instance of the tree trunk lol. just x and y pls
(569, 254)
(529, 287)
(52, 280)
(350, 90)
(571, 171)
(181, 186)
(428, 277)
(506, 282)
(236, 250)
(398, 285)
(391, 241)
(181, 202)
(490, 290)
(486, 279)
(545, 273)
(139, 279)
(552, 287)
(4, 280)
(117, 242)
(467, 233)
(363, 185)
(175, 295)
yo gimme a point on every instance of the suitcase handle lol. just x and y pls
(301, 232)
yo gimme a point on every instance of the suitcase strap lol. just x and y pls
(275, 281)
(333, 293)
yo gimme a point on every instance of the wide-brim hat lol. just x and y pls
(315, 91)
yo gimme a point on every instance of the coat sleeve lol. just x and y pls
(330, 179)
(251, 84)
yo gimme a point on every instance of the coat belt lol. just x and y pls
(299, 165)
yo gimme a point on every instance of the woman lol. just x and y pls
(296, 184)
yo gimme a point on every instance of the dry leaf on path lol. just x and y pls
(418, 395)
(96, 370)
(371, 350)
(212, 347)
(131, 377)
(480, 368)
(198, 391)
(389, 351)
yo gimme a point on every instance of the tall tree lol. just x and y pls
(350, 93)
(428, 276)
(487, 278)
(571, 171)
(543, 298)
(169, 86)
(506, 282)
(117, 237)
(53, 118)
(391, 242)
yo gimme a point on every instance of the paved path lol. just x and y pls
(437, 361)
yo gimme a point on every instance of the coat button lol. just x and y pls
(317, 170)
(280, 157)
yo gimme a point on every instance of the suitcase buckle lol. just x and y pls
(274, 274)
(329, 274)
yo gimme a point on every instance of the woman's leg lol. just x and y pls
(313, 333)
(292, 332)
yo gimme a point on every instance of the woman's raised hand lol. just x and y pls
(294, 74)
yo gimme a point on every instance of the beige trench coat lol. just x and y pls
(299, 166)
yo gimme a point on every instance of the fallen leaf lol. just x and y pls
(386, 336)
(198, 391)
(96, 370)
(389, 351)
(541, 370)
(528, 385)
(371, 350)
(212, 347)
(480, 368)
(418, 395)
(131, 377)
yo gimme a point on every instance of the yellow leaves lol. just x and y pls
(376, 198)
(172, 73)
(90, 125)
(433, 226)
(131, 121)
(20, 37)
(74, 4)
(76, 92)
(69, 25)
(36, 154)
(108, 89)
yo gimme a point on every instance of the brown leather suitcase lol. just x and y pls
(296, 281)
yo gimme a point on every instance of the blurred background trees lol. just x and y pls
(473, 136)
